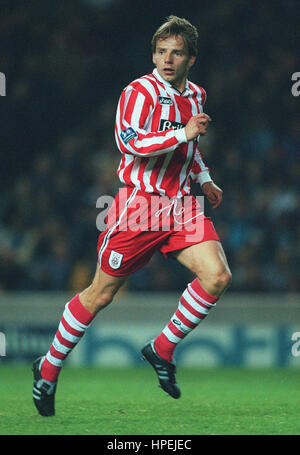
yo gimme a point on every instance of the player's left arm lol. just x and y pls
(200, 174)
(213, 193)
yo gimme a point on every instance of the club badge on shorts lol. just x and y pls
(115, 259)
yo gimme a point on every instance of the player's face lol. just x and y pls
(173, 61)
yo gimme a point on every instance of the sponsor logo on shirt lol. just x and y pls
(128, 134)
(165, 100)
(167, 124)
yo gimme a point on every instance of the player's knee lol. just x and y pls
(217, 281)
(222, 280)
(102, 299)
(95, 299)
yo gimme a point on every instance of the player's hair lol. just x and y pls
(177, 26)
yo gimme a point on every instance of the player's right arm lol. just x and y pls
(197, 124)
(135, 109)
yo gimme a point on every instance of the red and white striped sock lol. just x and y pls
(73, 324)
(194, 305)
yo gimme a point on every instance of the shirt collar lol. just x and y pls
(168, 84)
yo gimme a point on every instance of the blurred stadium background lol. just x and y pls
(66, 63)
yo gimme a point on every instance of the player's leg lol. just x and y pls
(77, 316)
(101, 291)
(208, 262)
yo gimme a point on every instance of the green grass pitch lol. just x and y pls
(92, 401)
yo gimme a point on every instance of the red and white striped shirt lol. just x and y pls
(149, 132)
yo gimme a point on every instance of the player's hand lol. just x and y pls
(196, 125)
(213, 193)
